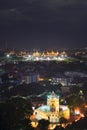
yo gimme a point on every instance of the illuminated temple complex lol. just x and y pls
(53, 111)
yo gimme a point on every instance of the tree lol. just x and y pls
(13, 112)
(74, 101)
(63, 120)
(43, 124)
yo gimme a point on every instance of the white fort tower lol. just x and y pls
(53, 102)
(51, 111)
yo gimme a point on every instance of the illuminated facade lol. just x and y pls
(51, 111)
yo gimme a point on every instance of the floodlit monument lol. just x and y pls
(53, 111)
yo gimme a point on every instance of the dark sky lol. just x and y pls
(43, 24)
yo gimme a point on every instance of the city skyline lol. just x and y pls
(45, 24)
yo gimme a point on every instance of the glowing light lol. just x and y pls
(37, 58)
(41, 79)
(48, 58)
(82, 115)
(7, 55)
(77, 112)
(85, 106)
(49, 79)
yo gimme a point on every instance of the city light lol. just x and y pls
(46, 56)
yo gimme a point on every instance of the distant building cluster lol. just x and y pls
(62, 80)
(75, 74)
(30, 78)
(38, 56)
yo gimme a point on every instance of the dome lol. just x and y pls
(44, 108)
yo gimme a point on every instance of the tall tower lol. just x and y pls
(53, 102)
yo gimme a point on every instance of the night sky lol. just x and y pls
(43, 24)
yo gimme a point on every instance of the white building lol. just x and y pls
(30, 78)
(51, 111)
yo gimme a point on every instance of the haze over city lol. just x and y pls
(43, 24)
